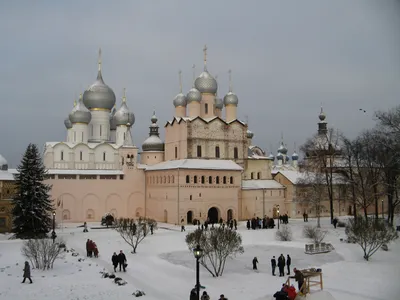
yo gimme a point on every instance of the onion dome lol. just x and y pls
(219, 103)
(99, 95)
(322, 115)
(193, 95)
(250, 134)
(123, 116)
(205, 83)
(180, 99)
(295, 156)
(3, 163)
(67, 123)
(282, 149)
(279, 156)
(230, 98)
(153, 142)
(113, 126)
(80, 114)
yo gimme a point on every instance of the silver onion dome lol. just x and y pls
(123, 116)
(295, 156)
(231, 99)
(193, 95)
(219, 104)
(205, 83)
(153, 142)
(282, 149)
(80, 114)
(99, 95)
(279, 156)
(250, 134)
(67, 123)
(180, 100)
(113, 126)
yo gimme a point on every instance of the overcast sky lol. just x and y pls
(287, 57)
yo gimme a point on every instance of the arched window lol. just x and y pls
(104, 156)
(235, 153)
(81, 155)
(62, 155)
(210, 181)
(187, 179)
(195, 179)
(169, 179)
(252, 175)
(198, 151)
(259, 175)
(172, 179)
(203, 179)
(217, 151)
(206, 108)
(231, 180)
(224, 180)
(217, 180)
(176, 152)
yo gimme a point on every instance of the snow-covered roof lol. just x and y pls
(199, 164)
(206, 120)
(295, 176)
(283, 167)
(78, 172)
(6, 175)
(73, 145)
(261, 184)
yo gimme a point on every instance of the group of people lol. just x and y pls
(258, 223)
(282, 262)
(91, 249)
(119, 260)
(231, 223)
(204, 296)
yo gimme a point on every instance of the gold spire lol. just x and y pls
(180, 81)
(205, 57)
(230, 80)
(99, 59)
(75, 103)
(124, 96)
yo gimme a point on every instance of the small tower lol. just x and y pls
(219, 104)
(193, 98)
(124, 119)
(295, 157)
(153, 146)
(322, 125)
(207, 85)
(180, 101)
(231, 102)
(80, 118)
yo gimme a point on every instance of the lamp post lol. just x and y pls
(383, 216)
(53, 234)
(198, 253)
(278, 215)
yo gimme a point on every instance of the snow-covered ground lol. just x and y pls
(164, 268)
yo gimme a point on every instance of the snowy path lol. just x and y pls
(135, 279)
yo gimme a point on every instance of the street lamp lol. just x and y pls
(53, 234)
(198, 253)
(277, 211)
(383, 217)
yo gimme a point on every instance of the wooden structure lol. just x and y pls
(311, 278)
(318, 248)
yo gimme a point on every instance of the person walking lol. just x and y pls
(122, 261)
(255, 262)
(273, 265)
(205, 296)
(114, 260)
(288, 263)
(27, 272)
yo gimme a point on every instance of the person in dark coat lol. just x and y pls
(255, 262)
(248, 224)
(273, 265)
(193, 294)
(280, 295)
(122, 261)
(288, 263)
(27, 272)
(222, 297)
(335, 221)
(205, 296)
(114, 260)
(299, 277)
(88, 248)
(281, 265)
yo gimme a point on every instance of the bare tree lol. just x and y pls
(284, 234)
(370, 234)
(132, 231)
(218, 244)
(42, 252)
(317, 235)
(311, 190)
(321, 152)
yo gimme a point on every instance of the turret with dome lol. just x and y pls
(180, 100)
(153, 144)
(231, 102)
(123, 119)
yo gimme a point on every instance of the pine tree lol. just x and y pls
(32, 206)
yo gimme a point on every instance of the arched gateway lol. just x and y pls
(213, 215)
